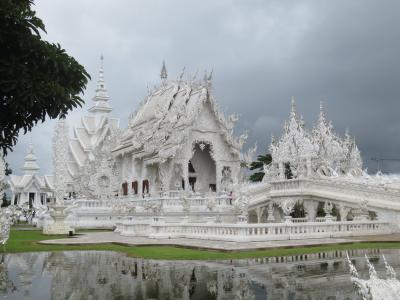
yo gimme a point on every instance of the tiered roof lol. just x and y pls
(94, 127)
(159, 128)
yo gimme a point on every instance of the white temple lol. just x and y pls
(30, 188)
(176, 172)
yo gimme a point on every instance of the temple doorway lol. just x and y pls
(31, 200)
(202, 169)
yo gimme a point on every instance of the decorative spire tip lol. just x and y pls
(293, 105)
(164, 73)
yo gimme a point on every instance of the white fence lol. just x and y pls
(254, 232)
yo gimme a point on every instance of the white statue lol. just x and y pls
(375, 288)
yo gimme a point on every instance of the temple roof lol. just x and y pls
(24, 182)
(159, 125)
(94, 127)
(30, 165)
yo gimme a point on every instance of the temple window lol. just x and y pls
(135, 187)
(145, 186)
(125, 188)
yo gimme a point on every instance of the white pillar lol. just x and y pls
(281, 171)
(259, 212)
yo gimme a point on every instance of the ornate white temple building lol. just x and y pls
(30, 188)
(179, 139)
(176, 172)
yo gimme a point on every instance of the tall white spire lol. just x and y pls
(101, 97)
(30, 166)
(163, 73)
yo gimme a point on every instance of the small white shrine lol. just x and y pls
(31, 188)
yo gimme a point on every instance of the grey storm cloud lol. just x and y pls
(345, 53)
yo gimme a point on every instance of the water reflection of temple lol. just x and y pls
(108, 275)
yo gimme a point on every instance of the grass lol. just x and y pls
(27, 241)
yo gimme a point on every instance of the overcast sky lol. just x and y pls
(344, 52)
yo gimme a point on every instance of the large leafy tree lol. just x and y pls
(38, 79)
(258, 167)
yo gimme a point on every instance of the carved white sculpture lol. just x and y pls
(321, 152)
(375, 288)
(2, 178)
(5, 225)
(60, 159)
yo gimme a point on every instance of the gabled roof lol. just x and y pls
(77, 152)
(161, 120)
(24, 182)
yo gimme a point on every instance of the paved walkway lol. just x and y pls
(111, 237)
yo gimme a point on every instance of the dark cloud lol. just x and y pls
(262, 52)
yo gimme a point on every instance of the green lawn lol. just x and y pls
(26, 241)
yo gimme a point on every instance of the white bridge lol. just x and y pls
(348, 195)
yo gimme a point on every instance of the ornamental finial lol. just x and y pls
(321, 112)
(293, 105)
(101, 96)
(164, 73)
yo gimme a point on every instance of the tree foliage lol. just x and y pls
(38, 79)
(258, 165)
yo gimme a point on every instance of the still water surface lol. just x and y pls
(109, 275)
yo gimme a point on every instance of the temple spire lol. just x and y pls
(293, 106)
(321, 112)
(30, 166)
(163, 73)
(101, 96)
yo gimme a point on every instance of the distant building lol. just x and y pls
(31, 188)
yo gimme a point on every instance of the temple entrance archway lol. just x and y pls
(202, 168)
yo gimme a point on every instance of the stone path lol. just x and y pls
(111, 237)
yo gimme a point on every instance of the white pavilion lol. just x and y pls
(31, 188)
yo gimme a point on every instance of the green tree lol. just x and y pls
(38, 79)
(258, 165)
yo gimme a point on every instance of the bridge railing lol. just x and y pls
(342, 189)
(255, 232)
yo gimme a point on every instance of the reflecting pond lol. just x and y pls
(110, 275)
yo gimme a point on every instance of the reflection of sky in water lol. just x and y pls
(108, 275)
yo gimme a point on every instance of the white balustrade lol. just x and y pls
(255, 232)
(171, 200)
